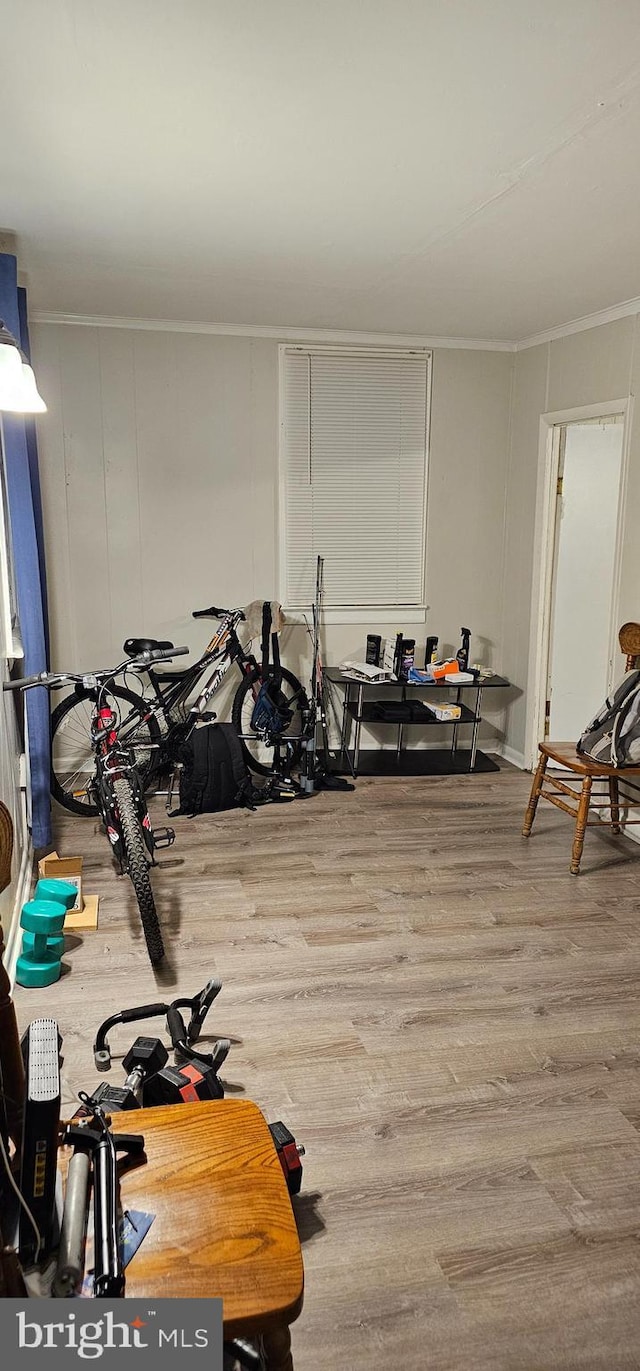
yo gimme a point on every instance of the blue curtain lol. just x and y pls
(34, 475)
(25, 516)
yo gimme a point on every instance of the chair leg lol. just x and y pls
(581, 825)
(614, 796)
(538, 782)
(276, 1346)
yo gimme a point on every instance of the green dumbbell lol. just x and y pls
(62, 892)
(43, 939)
(55, 944)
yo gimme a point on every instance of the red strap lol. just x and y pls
(189, 1092)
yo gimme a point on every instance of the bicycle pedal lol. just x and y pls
(163, 837)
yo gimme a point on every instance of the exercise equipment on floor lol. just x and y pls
(42, 921)
(93, 1141)
(152, 1080)
(145, 1057)
(41, 1053)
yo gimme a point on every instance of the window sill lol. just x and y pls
(379, 615)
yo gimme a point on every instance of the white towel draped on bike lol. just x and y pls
(253, 616)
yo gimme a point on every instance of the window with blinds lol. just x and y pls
(354, 476)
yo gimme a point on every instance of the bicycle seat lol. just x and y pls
(134, 646)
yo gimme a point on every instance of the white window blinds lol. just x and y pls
(354, 475)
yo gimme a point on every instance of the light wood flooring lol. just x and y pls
(449, 1022)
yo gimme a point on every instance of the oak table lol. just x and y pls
(224, 1225)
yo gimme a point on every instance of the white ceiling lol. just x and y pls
(454, 167)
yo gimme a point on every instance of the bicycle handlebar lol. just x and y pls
(43, 678)
(211, 613)
(214, 613)
(51, 679)
(159, 654)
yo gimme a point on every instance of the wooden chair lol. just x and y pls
(629, 639)
(224, 1225)
(577, 801)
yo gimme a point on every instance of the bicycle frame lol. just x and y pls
(115, 789)
(112, 763)
(172, 692)
(156, 721)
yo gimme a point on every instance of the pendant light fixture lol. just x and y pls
(18, 389)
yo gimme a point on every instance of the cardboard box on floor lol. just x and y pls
(85, 910)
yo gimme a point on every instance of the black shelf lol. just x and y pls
(397, 700)
(423, 761)
(488, 683)
(414, 714)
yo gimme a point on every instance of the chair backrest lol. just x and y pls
(629, 639)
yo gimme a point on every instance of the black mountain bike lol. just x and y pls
(155, 726)
(112, 782)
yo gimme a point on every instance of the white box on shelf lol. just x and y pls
(445, 712)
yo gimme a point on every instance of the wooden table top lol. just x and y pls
(224, 1223)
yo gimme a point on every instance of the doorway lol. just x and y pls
(581, 663)
(580, 501)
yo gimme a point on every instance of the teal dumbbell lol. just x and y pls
(61, 892)
(43, 941)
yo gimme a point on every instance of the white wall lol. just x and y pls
(585, 368)
(158, 465)
(158, 461)
(14, 798)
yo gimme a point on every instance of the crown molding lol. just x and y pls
(288, 334)
(284, 335)
(595, 320)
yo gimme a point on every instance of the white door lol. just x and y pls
(582, 663)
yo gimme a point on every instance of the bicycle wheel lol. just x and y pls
(258, 755)
(138, 868)
(72, 763)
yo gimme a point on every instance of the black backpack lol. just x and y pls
(214, 774)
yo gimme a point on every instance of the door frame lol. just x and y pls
(543, 553)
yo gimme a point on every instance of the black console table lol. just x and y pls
(407, 711)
